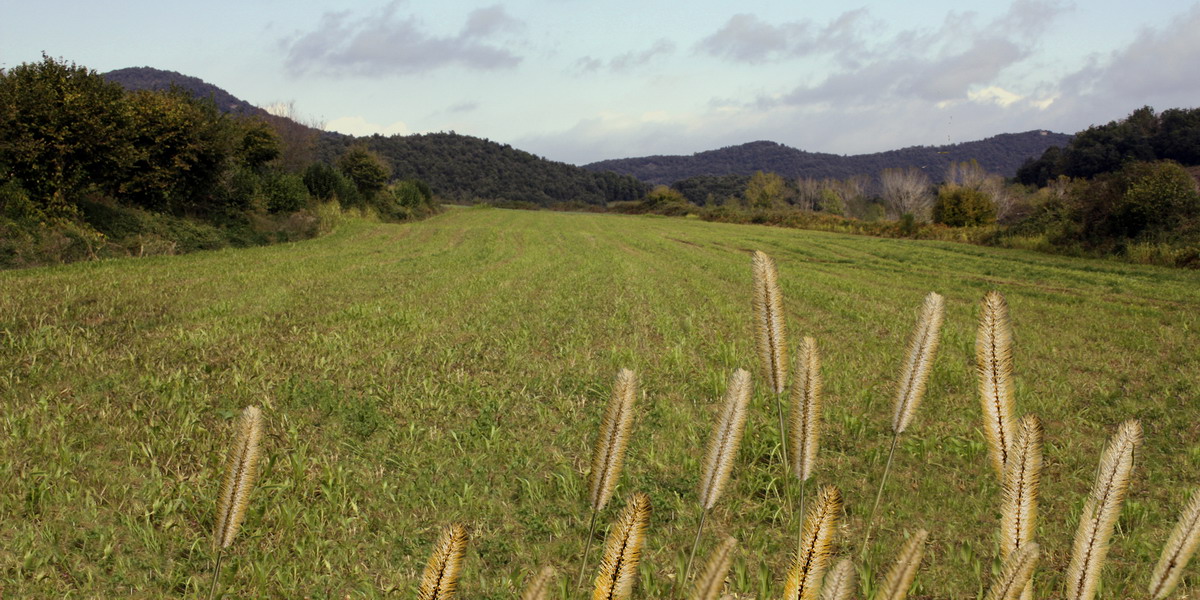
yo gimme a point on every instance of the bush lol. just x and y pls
(959, 206)
(326, 183)
(284, 192)
(1157, 198)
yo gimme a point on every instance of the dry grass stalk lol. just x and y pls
(1019, 496)
(712, 580)
(726, 436)
(993, 361)
(899, 579)
(922, 348)
(772, 341)
(622, 551)
(241, 468)
(1016, 574)
(440, 579)
(722, 448)
(609, 453)
(820, 525)
(806, 410)
(1100, 512)
(1178, 550)
(839, 583)
(768, 318)
(914, 376)
(539, 587)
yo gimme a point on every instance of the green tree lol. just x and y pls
(959, 206)
(365, 169)
(1158, 197)
(62, 131)
(179, 147)
(260, 144)
(765, 190)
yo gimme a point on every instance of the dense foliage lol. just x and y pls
(1001, 154)
(467, 169)
(1142, 136)
(89, 169)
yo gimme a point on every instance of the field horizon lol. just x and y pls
(456, 369)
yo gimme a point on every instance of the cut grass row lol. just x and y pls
(456, 370)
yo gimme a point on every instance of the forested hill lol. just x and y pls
(465, 168)
(148, 78)
(1002, 154)
(456, 167)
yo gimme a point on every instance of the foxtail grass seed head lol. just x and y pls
(1015, 574)
(993, 361)
(726, 435)
(241, 468)
(1019, 495)
(609, 453)
(806, 410)
(1100, 512)
(899, 579)
(922, 348)
(839, 583)
(820, 525)
(1178, 550)
(768, 318)
(440, 580)
(539, 587)
(712, 580)
(622, 551)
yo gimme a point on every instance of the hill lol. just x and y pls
(149, 78)
(1002, 154)
(457, 167)
(466, 168)
(456, 369)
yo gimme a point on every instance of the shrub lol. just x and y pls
(1157, 198)
(284, 192)
(959, 206)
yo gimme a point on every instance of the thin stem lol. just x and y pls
(212, 591)
(783, 445)
(587, 548)
(687, 571)
(878, 495)
(800, 530)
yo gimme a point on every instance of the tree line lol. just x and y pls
(88, 168)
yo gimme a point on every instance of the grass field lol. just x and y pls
(456, 369)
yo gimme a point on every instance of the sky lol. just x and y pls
(579, 81)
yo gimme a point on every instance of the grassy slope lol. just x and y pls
(456, 369)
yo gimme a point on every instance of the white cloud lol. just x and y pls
(994, 94)
(358, 126)
(384, 42)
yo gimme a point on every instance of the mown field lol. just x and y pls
(455, 370)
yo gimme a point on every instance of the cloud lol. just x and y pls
(943, 65)
(385, 42)
(748, 39)
(463, 107)
(623, 63)
(359, 126)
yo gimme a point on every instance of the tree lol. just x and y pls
(765, 190)
(260, 144)
(178, 149)
(959, 206)
(1157, 198)
(906, 191)
(62, 130)
(366, 169)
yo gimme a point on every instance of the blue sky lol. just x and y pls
(580, 81)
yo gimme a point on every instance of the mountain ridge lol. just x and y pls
(1002, 153)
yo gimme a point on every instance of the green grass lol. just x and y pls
(456, 369)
